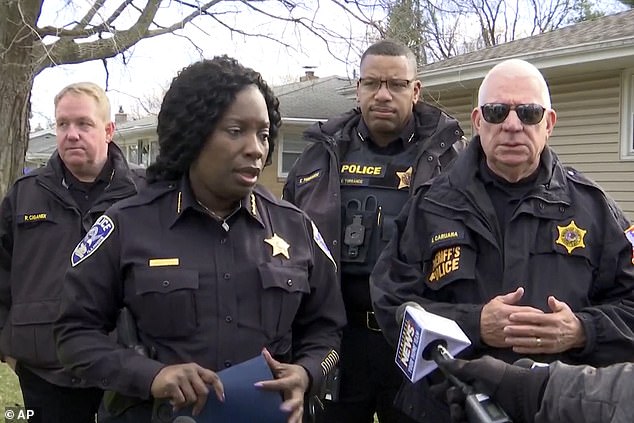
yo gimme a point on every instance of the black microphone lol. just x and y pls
(479, 407)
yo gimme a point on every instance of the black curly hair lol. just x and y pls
(195, 102)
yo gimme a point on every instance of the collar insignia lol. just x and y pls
(279, 245)
(571, 236)
(405, 178)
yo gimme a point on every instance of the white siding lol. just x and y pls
(586, 135)
(457, 104)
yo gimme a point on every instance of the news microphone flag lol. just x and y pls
(419, 329)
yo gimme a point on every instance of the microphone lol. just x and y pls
(184, 419)
(400, 311)
(479, 407)
(424, 344)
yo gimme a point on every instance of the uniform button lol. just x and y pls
(74, 380)
(430, 158)
(541, 206)
(227, 363)
(562, 209)
(289, 282)
(335, 194)
(227, 276)
(165, 283)
(223, 241)
(334, 242)
(442, 144)
(228, 319)
(456, 132)
(105, 381)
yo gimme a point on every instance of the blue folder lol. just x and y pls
(244, 403)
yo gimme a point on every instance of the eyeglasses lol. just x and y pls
(529, 114)
(393, 85)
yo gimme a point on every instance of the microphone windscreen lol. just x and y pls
(184, 419)
(400, 311)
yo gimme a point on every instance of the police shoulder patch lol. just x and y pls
(319, 240)
(99, 232)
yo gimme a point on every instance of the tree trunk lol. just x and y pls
(16, 80)
(15, 100)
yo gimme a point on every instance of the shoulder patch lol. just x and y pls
(319, 240)
(99, 232)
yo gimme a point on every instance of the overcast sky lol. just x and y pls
(151, 64)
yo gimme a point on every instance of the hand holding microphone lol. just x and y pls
(517, 388)
(423, 341)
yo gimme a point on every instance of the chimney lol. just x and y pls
(120, 116)
(309, 74)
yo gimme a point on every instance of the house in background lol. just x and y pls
(301, 104)
(589, 68)
(42, 144)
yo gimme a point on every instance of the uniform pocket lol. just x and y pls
(165, 303)
(559, 256)
(283, 290)
(32, 339)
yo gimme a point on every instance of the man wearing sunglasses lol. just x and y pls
(528, 256)
(359, 170)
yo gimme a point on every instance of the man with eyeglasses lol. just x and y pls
(359, 170)
(528, 256)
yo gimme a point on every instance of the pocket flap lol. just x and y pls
(165, 279)
(34, 313)
(288, 278)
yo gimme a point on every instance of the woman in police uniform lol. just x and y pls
(213, 268)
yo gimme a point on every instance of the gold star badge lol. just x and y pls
(404, 178)
(279, 245)
(571, 236)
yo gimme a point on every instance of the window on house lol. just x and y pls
(627, 114)
(154, 151)
(133, 154)
(292, 147)
(144, 149)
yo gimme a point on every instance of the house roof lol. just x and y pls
(606, 42)
(314, 99)
(302, 101)
(41, 144)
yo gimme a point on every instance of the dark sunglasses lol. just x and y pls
(529, 114)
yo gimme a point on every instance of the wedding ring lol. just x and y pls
(538, 341)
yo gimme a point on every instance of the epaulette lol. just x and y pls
(148, 194)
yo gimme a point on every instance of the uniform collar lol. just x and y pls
(405, 137)
(106, 174)
(185, 199)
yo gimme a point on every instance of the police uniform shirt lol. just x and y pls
(199, 292)
(505, 196)
(86, 193)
